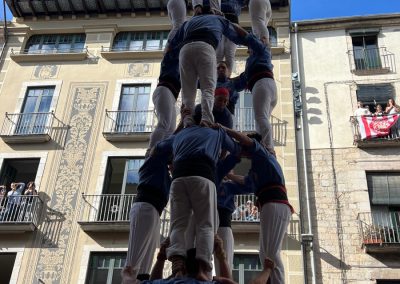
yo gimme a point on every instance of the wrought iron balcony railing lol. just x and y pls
(50, 51)
(379, 229)
(244, 121)
(392, 139)
(20, 209)
(30, 127)
(365, 61)
(128, 123)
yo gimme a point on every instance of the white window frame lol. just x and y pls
(87, 250)
(118, 89)
(17, 263)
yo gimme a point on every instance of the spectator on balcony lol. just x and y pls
(13, 202)
(266, 178)
(361, 110)
(199, 37)
(220, 111)
(196, 153)
(392, 107)
(234, 85)
(378, 111)
(227, 49)
(3, 196)
(164, 98)
(151, 199)
(26, 203)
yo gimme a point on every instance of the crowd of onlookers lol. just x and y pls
(246, 212)
(391, 108)
(16, 201)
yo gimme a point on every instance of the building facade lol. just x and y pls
(349, 179)
(76, 114)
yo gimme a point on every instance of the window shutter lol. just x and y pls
(384, 188)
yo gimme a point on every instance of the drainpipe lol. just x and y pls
(307, 236)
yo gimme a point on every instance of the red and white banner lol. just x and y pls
(376, 126)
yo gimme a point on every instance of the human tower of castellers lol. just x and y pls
(191, 164)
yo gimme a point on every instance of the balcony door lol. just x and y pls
(245, 267)
(366, 52)
(121, 180)
(244, 113)
(34, 116)
(133, 109)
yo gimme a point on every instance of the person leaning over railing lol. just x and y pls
(13, 202)
(26, 203)
(392, 107)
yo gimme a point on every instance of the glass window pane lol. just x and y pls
(126, 103)
(30, 104)
(45, 103)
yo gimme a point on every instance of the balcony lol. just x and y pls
(21, 214)
(380, 231)
(128, 125)
(126, 53)
(110, 212)
(362, 141)
(371, 61)
(49, 55)
(277, 48)
(244, 121)
(35, 127)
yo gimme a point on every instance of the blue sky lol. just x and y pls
(318, 9)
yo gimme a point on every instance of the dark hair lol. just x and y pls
(255, 136)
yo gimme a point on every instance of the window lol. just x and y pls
(245, 267)
(21, 209)
(55, 43)
(384, 195)
(372, 95)
(133, 108)
(366, 51)
(155, 40)
(7, 264)
(120, 183)
(387, 281)
(35, 111)
(105, 268)
(244, 119)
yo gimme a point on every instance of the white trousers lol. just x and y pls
(264, 101)
(260, 13)
(214, 4)
(226, 50)
(225, 233)
(274, 220)
(144, 237)
(164, 105)
(197, 194)
(197, 61)
(177, 15)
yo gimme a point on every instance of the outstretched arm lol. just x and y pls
(240, 137)
(157, 271)
(221, 257)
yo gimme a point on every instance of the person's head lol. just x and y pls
(222, 70)
(31, 185)
(360, 104)
(221, 98)
(391, 102)
(13, 186)
(379, 108)
(249, 203)
(245, 152)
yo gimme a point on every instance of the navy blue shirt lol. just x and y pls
(265, 169)
(223, 117)
(169, 73)
(154, 178)
(208, 28)
(259, 60)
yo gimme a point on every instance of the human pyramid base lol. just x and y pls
(191, 165)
